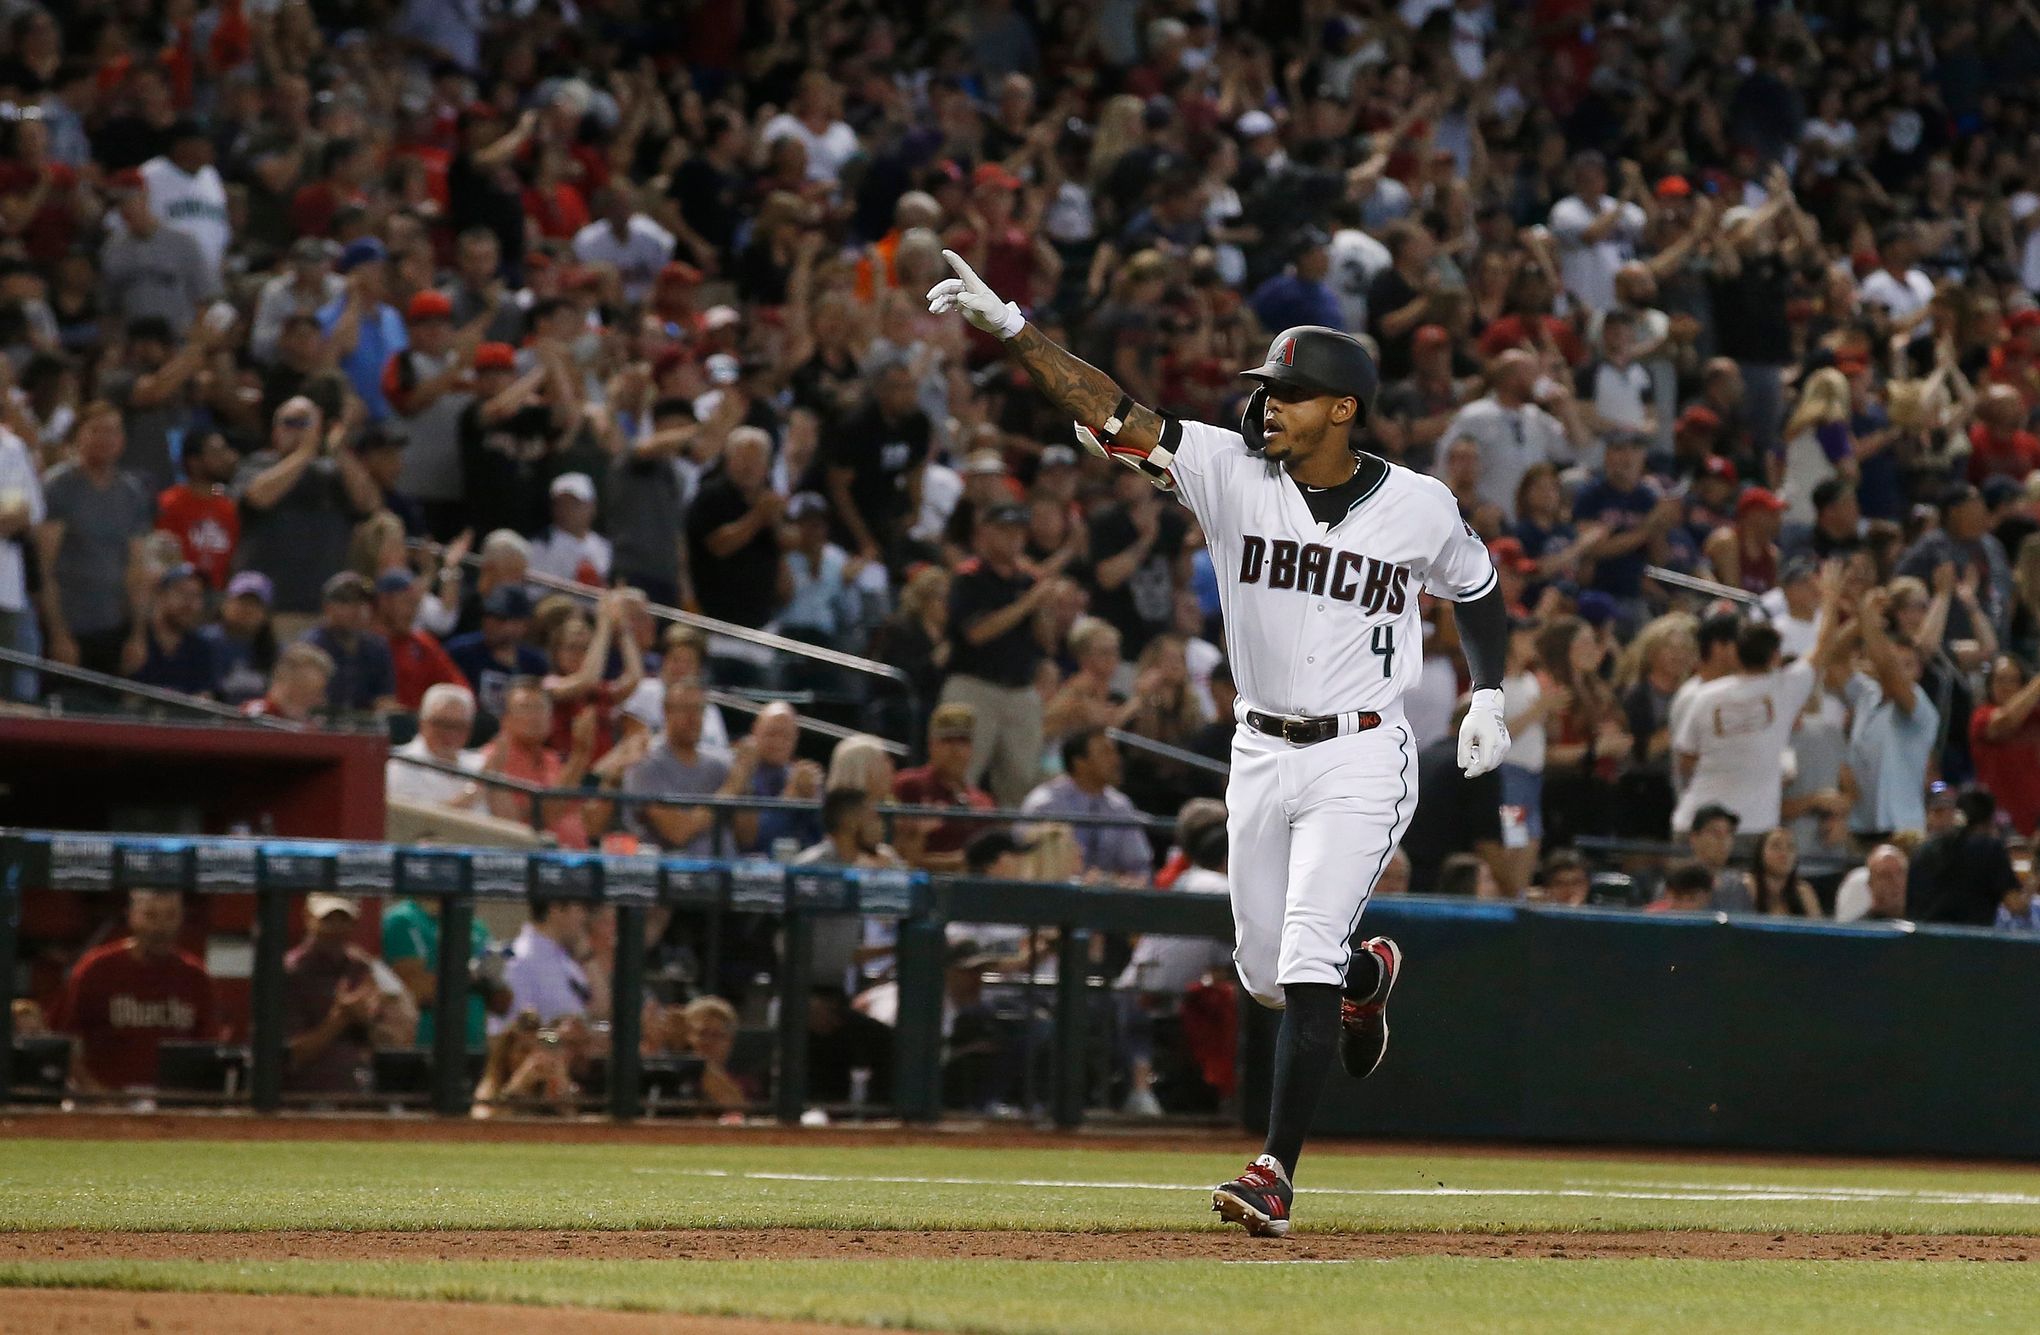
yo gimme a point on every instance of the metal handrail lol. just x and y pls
(764, 639)
(159, 694)
(1695, 584)
(808, 723)
(713, 801)
(1167, 752)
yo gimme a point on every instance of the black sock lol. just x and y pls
(1303, 1061)
(1363, 974)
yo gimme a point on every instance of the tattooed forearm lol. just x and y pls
(1080, 389)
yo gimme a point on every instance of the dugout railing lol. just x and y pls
(277, 872)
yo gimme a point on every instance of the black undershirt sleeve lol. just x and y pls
(1484, 637)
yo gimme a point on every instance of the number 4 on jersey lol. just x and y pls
(1384, 645)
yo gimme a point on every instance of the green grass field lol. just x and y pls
(215, 1186)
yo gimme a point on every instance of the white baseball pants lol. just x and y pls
(1309, 829)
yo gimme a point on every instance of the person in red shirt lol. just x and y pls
(2004, 742)
(419, 659)
(937, 845)
(1999, 444)
(200, 514)
(520, 752)
(128, 996)
(347, 168)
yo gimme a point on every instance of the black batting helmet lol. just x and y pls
(1317, 358)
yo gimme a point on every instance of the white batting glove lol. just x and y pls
(1483, 737)
(969, 294)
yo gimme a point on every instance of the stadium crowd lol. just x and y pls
(325, 327)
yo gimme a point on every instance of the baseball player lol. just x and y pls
(1322, 550)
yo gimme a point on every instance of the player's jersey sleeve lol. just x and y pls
(1203, 458)
(1461, 569)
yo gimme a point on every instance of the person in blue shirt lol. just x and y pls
(362, 330)
(364, 674)
(1637, 516)
(775, 735)
(496, 655)
(1299, 295)
(167, 648)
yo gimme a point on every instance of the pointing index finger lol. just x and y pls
(962, 270)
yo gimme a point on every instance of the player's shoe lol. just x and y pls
(1363, 1021)
(1258, 1198)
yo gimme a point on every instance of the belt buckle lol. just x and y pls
(1297, 732)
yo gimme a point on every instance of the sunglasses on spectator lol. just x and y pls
(298, 421)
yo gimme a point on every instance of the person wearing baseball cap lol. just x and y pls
(363, 676)
(1744, 554)
(147, 268)
(495, 656)
(332, 1003)
(571, 549)
(945, 781)
(379, 332)
(418, 661)
(167, 644)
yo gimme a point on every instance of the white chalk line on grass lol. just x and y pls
(1669, 1191)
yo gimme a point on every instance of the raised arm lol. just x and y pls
(1075, 386)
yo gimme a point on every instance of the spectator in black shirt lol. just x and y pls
(481, 186)
(507, 435)
(166, 648)
(733, 546)
(875, 464)
(1961, 875)
(1137, 561)
(709, 189)
(1401, 298)
(994, 655)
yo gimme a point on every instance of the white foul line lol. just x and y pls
(1613, 1191)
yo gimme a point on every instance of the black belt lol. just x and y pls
(1308, 731)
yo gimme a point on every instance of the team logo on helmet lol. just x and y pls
(1288, 354)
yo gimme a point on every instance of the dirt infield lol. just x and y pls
(785, 1244)
(77, 1311)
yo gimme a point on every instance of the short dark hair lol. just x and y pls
(1563, 860)
(1757, 645)
(1713, 812)
(1076, 745)
(1689, 878)
(1721, 628)
(541, 906)
(1829, 490)
(1977, 804)
(840, 805)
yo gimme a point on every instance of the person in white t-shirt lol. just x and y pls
(1794, 606)
(1898, 286)
(1731, 741)
(1596, 233)
(625, 240)
(187, 195)
(1716, 642)
(816, 120)
(571, 549)
(1512, 431)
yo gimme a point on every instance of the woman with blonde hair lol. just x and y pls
(1818, 443)
(712, 1028)
(377, 546)
(1648, 674)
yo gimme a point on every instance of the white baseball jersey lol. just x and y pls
(1323, 619)
(1319, 619)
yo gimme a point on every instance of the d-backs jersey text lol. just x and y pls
(1322, 618)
